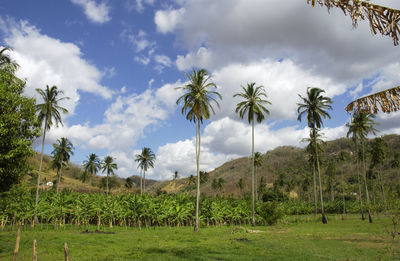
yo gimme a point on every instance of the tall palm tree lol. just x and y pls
(257, 163)
(145, 160)
(252, 105)
(197, 99)
(315, 106)
(62, 153)
(109, 166)
(48, 114)
(360, 126)
(91, 166)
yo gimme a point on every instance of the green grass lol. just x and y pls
(296, 238)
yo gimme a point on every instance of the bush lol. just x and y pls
(269, 212)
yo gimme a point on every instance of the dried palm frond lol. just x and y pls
(388, 100)
(383, 20)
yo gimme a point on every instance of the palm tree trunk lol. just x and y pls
(365, 183)
(315, 189)
(359, 184)
(40, 169)
(141, 182)
(144, 181)
(253, 222)
(324, 221)
(58, 179)
(196, 226)
(107, 183)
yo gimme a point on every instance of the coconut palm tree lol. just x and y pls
(145, 160)
(252, 106)
(197, 106)
(91, 166)
(257, 163)
(6, 61)
(62, 153)
(315, 106)
(360, 126)
(109, 166)
(48, 114)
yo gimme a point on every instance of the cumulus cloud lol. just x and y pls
(167, 20)
(250, 30)
(94, 11)
(283, 81)
(47, 61)
(125, 122)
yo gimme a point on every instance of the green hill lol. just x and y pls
(288, 166)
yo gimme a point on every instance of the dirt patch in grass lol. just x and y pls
(96, 232)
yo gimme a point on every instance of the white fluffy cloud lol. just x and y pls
(47, 61)
(138, 5)
(254, 29)
(283, 81)
(125, 122)
(94, 11)
(167, 20)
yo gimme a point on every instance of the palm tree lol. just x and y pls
(145, 160)
(361, 125)
(197, 99)
(109, 166)
(257, 163)
(62, 153)
(91, 166)
(315, 106)
(48, 111)
(6, 61)
(253, 106)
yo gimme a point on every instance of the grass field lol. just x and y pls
(307, 239)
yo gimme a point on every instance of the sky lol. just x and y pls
(120, 61)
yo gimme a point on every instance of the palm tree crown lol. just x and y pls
(253, 103)
(361, 125)
(6, 61)
(145, 159)
(108, 166)
(197, 97)
(92, 164)
(49, 109)
(62, 152)
(315, 106)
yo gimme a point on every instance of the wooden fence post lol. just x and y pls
(66, 252)
(17, 242)
(34, 250)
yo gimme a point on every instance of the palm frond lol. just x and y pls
(387, 101)
(382, 19)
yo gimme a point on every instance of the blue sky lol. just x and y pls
(120, 62)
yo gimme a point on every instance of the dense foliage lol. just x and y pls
(130, 209)
(145, 210)
(18, 128)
